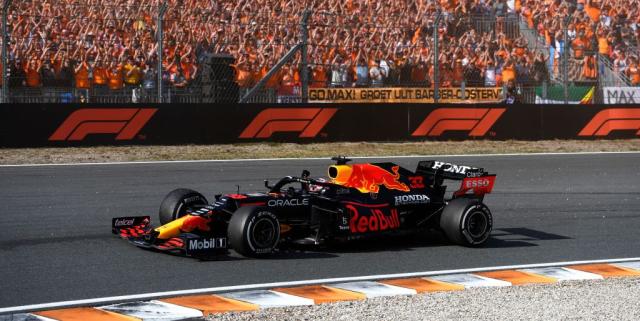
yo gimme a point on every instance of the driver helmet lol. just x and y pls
(317, 188)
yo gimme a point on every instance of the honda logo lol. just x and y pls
(477, 121)
(307, 121)
(125, 122)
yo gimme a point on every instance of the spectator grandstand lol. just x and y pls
(106, 51)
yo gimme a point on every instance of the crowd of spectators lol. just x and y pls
(110, 45)
(609, 28)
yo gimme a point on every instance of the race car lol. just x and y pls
(357, 201)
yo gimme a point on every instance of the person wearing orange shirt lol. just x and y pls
(633, 71)
(318, 76)
(115, 76)
(580, 45)
(603, 43)
(81, 75)
(100, 77)
(189, 69)
(243, 73)
(589, 68)
(508, 71)
(32, 71)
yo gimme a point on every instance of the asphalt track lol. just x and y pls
(56, 243)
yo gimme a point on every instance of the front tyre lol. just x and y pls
(467, 222)
(254, 231)
(175, 204)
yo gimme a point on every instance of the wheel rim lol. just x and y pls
(477, 224)
(264, 233)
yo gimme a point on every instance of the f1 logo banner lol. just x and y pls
(308, 121)
(608, 120)
(477, 121)
(125, 122)
(57, 125)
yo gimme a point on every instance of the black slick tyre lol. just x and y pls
(253, 231)
(175, 204)
(467, 222)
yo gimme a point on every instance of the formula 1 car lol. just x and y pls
(357, 201)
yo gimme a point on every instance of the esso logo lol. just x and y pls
(473, 183)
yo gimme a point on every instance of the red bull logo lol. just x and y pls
(366, 178)
(377, 220)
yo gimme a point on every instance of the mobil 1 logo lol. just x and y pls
(205, 244)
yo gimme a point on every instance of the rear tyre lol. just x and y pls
(467, 222)
(175, 204)
(254, 231)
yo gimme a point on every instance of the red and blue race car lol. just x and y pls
(356, 201)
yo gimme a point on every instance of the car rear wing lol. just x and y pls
(474, 180)
(448, 170)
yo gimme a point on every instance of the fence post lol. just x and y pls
(436, 66)
(159, 39)
(5, 58)
(304, 64)
(565, 58)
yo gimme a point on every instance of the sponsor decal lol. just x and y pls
(289, 202)
(192, 199)
(125, 122)
(207, 244)
(612, 119)
(367, 178)
(478, 121)
(479, 185)
(344, 223)
(416, 181)
(404, 95)
(473, 183)
(475, 173)
(123, 222)
(453, 168)
(375, 220)
(307, 121)
(343, 191)
(411, 199)
(621, 95)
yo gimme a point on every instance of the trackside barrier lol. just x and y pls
(164, 124)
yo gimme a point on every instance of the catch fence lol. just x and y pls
(174, 51)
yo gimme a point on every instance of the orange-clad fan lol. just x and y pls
(32, 70)
(115, 76)
(82, 75)
(633, 71)
(100, 75)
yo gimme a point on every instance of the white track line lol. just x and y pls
(156, 295)
(316, 158)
